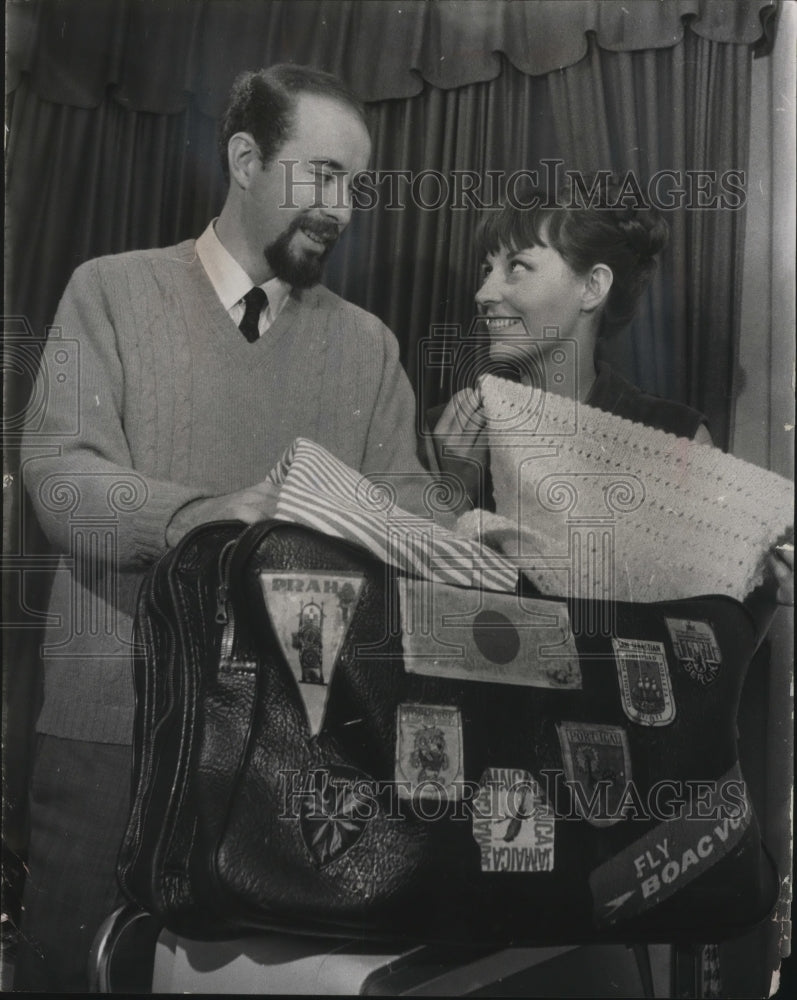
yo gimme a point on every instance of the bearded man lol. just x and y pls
(189, 370)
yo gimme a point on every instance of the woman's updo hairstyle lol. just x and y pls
(586, 224)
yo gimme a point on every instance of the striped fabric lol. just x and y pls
(317, 490)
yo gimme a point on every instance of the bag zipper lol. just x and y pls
(225, 615)
(224, 612)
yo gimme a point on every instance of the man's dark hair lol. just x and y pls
(263, 103)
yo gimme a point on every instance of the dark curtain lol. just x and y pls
(111, 116)
(683, 109)
(154, 55)
(88, 181)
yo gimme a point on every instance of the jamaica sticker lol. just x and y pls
(512, 822)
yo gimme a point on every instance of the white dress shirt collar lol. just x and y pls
(229, 279)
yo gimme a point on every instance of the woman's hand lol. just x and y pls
(780, 563)
(461, 440)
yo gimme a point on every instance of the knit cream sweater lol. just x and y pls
(149, 397)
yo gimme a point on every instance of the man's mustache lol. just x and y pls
(325, 230)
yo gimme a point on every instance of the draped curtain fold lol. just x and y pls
(156, 55)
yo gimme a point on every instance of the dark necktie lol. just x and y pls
(255, 299)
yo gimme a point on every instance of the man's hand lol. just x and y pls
(248, 505)
(461, 439)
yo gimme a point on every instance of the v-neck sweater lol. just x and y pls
(162, 402)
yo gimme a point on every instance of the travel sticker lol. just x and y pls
(644, 681)
(696, 648)
(597, 765)
(332, 815)
(667, 858)
(310, 613)
(429, 751)
(512, 822)
(478, 635)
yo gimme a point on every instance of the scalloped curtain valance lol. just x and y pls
(159, 55)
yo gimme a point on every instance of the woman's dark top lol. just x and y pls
(612, 393)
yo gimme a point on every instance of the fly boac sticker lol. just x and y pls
(666, 859)
(310, 614)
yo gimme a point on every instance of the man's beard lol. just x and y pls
(301, 269)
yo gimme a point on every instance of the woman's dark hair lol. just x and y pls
(586, 224)
(264, 104)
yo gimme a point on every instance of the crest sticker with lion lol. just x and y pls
(429, 751)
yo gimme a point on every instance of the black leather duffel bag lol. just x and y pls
(304, 763)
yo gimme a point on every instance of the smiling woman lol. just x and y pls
(526, 290)
(558, 278)
(578, 267)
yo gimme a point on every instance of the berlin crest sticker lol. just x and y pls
(644, 681)
(697, 649)
(311, 613)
